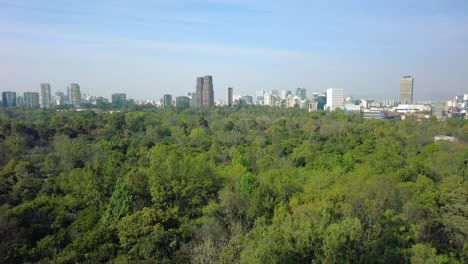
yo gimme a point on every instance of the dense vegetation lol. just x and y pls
(249, 185)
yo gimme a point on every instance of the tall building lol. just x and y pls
(247, 99)
(75, 94)
(284, 94)
(199, 92)
(204, 94)
(193, 99)
(259, 97)
(334, 99)
(230, 96)
(182, 102)
(31, 100)
(45, 101)
(60, 98)
(20, 101)
(406, 90)
(321, 101)
(208, 93)
(301, 93)
(9, 99)
(167, 101)
(119, 99)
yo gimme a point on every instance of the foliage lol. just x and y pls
(230, 185)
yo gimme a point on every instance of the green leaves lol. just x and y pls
(247, 185)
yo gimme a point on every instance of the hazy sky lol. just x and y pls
(149, 48)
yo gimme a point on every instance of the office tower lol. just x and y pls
(199, 92)
(301, 93)
(182, 102)
(31, 100)
(406, 90)
(334, 99)
(60, 98)
(247, 99)
(230, 96)
(321, 101)
(20, 101)
(9, 99)
(268, 99)
(167, 100)
(193, 99)
(45, 96)
(259, 97)
(75, 94)
(285, 94)
(68, 98)
(119, 99)
(208, 93)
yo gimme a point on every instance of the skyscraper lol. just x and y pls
(321, 101)
(406, 90)
(119, 99)
(230, 96)
(284, 94)
(301, 93)
(204, 94)
(60, 98)
(31, 100)
(193, 99)
(20, 101)
(259, 97)
(182, 102)
(167, 101)
(75, 94)
(9, 99)
(334, 99)
(208, 93)
(45, 96)
(199, 92)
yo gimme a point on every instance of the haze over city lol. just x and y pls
(150, 48)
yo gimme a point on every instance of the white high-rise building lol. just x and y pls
(45, 96)
(335, 99)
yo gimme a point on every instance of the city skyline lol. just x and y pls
(152, 48)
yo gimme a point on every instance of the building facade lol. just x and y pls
(9, 99)
(75, 94)
(335, 99)
(20, 101)
(31, 100)
(230, 96)
(45, 97)
(406, 90)
(208, 93)
(199, 92)
(167, 101)
(301, 93)
(182, 102)
(119, 99)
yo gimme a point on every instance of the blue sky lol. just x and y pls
(149, 48)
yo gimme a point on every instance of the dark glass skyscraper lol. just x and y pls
(9, 99)
(119, 99)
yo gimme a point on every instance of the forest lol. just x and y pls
(230, 185)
